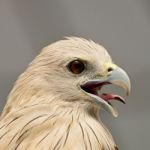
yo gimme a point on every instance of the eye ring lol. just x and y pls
(76, 66)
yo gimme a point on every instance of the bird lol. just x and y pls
(56, 102)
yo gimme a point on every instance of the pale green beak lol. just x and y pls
(116, 77)
(120, 78)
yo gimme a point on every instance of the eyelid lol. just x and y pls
(74, 59)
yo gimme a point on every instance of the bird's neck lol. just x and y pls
(85, 124)
(70, 124)
(81, 123)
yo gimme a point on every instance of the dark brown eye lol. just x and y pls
(76, 66)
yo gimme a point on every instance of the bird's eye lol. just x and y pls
(76, 66)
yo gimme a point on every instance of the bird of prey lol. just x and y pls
(55, 103)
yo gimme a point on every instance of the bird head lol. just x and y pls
(74, 70)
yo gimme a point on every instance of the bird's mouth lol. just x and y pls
(93, 87)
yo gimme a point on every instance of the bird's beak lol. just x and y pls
(116, 77)
(120, 78)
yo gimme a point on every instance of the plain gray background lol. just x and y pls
(121, 26)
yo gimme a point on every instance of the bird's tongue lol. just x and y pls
(94, 87)
(108, 97)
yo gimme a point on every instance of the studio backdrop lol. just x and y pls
(121, 26)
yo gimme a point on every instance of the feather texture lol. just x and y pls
(45, 111)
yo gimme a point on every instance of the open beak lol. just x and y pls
(116, 77)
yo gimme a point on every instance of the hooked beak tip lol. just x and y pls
(120, 78)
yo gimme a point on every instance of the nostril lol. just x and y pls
(110, 69)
